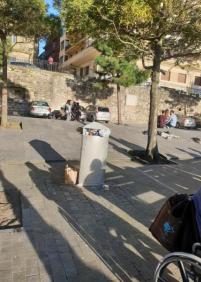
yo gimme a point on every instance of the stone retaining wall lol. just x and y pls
(26, 85)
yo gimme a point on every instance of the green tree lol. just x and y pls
(26, 18)
(117, 70)
(151, 29)
(1, 52)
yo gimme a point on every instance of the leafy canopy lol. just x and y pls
(24, 17)
(140, 25)
(116, 69)
(9, 45)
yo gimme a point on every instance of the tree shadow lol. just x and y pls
(90, 91)
(108, 227)
(51, 248)
(194, 154)
(182, 100)
(46, 151)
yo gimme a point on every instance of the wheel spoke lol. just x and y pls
(160, 279)
(182, 271)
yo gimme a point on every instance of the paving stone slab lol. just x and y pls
(10, 209)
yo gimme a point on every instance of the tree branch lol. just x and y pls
(144, 66)
(117, 33)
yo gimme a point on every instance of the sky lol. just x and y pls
(51, 10)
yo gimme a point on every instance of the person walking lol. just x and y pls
(68, 108)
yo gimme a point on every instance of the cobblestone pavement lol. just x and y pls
(72, 234)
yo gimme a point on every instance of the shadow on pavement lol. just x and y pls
(112, 225)
(52, 249)
(115, 231)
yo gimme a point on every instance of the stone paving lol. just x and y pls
(72, 234)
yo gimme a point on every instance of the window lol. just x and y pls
(87, 70)
(61, 59)
(103, 109)
(165, 75)
(181, 78)
(40, 103)
(81, 72)
(197, 80)
(62, 45)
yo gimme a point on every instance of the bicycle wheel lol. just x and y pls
(186, 268)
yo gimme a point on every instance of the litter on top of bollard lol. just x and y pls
(96, 129)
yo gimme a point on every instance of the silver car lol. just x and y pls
(186, 122)
(98, 113)
(40, 109)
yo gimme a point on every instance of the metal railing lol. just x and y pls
(42, 64)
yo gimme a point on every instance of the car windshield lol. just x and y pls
(40, 104)
(103, 109)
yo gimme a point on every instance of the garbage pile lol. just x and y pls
(96, 132)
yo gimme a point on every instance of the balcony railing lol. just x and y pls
(42, 64)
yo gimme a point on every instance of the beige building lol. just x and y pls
(186, 78)
(22, 49)
(78, 57)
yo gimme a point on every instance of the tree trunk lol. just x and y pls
(4, 108)
(152, 152)
(119, 121)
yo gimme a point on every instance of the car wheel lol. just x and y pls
(178, 125)
(106, 121)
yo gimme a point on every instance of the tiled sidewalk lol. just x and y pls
(72, 234)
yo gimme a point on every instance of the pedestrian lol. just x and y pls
(172, 122)
(68, 109)
(162, 119)
(50, 63)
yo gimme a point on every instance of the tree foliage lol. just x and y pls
(117, 69)
(27, 18)
(9, 45)
(151, 29)
(140, 24)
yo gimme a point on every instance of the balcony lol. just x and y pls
(82, 57)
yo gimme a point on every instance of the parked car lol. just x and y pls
(40, 109)
(98, 113)
(186, 122)
(197, 121)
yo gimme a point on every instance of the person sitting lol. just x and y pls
(161, 120)
(172, 122)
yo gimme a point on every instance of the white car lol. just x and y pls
(98, 113)
(186, 122)
(40, 109)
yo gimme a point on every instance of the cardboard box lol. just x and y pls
(71, 175)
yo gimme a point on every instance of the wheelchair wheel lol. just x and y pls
(179, 266)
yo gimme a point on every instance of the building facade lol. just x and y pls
(23, 49)
(77, 55)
